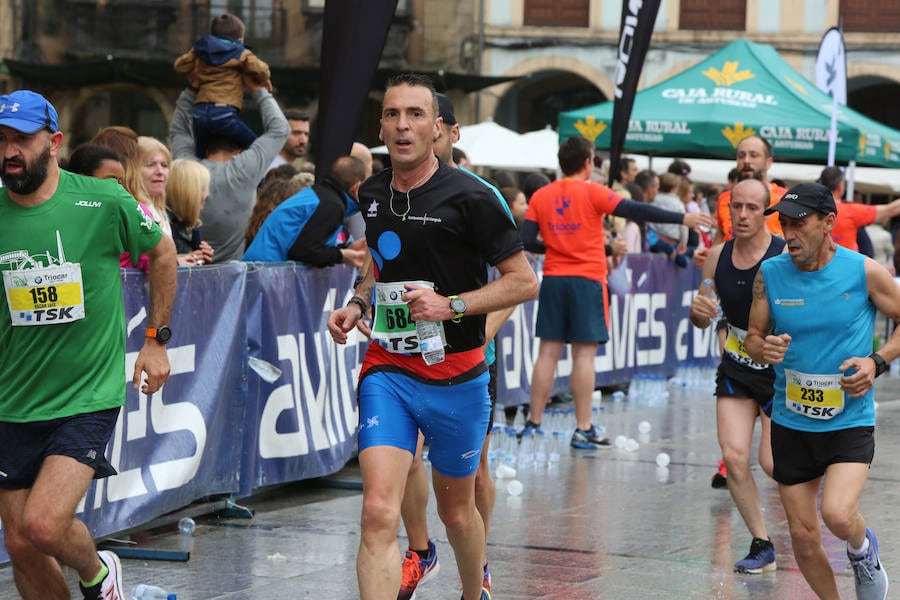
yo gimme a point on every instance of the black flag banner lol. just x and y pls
(353, 36)
(638, 17)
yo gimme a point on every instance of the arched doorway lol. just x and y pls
(536, 101)
(867, 93)
(136, 108)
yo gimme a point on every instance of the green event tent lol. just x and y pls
(743, 89)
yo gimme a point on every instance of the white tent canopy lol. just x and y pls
(490, 145)
(866, 179)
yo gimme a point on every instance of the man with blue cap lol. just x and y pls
(62, 347)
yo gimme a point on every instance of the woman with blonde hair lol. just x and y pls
(187, 188)
(155, 159)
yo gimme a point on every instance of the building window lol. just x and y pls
(123, 28)
(265, 24)
(870, 15)
(713, 14)
(319, 6)
(557, 13)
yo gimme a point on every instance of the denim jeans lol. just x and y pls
(212, 120)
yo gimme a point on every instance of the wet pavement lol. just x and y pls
(600, 524)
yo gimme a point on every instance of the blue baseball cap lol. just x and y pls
(28, 112)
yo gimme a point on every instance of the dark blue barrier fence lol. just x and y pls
(219, 427)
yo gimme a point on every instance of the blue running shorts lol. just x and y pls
(453, 418)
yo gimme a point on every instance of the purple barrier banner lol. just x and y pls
(182, 442)
(301, 423)
(260, 395)
(649, 329)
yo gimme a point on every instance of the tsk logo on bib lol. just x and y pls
(42, 294)
(816, 396)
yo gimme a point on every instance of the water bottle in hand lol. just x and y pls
(431, 341)
(708, 290)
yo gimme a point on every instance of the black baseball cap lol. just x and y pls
(445, 109)
(803, 199)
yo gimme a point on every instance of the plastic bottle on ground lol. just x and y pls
(186, 526)
(519, 420)
(143, 591)
(556, 443)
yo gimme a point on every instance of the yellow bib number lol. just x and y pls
(814, 396)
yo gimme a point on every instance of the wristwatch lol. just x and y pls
(161, 334)
(362, 304)
(880, 365)
(459, 306)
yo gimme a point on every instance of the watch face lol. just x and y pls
(163, 334)
(458, 305)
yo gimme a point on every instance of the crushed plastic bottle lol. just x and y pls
(186, 526)
(143, 591)
(708, 290)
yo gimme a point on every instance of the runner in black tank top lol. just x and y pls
(744, 388)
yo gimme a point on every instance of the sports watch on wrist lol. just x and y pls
(459, 306)
(161, 334)
(880, 364)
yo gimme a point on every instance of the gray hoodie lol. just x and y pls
(232, 184)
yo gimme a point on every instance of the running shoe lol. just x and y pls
(761, 558)
(530, 427)
(485, 595)
(417, 571)
(871, 578)
(486, 582)
(720, 479)
(590, 439)
(111, 586)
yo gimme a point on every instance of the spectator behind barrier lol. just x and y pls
(218, 65)
(304, 228)
(234, 174)
(186, 192)
(154, 158)
(271, 195)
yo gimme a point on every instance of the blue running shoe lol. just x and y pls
(530, 427)
(589, 440)
(761, 558)
(485, 595)
(871, 578)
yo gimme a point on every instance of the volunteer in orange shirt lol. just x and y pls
(850, 215)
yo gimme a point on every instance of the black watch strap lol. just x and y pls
(362, 304)
(880, 364)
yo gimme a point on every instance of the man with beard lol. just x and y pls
(62, 347)
(754, 159)
(297, 140)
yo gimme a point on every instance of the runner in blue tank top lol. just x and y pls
(813, 317)
(744, 387)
